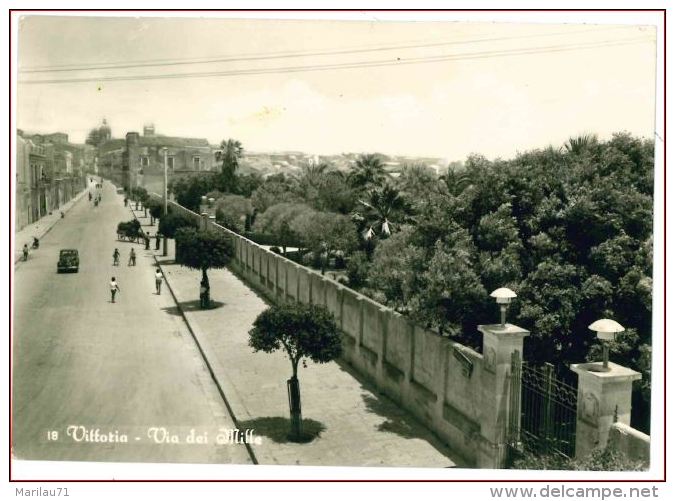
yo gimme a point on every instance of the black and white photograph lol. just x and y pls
(335, 242)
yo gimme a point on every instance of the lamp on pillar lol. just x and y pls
(606, 330)
(503, 296)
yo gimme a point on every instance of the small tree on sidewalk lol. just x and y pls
(303, 331)
(155, 208)
(139, 194)
(170, 223)
(203, 250)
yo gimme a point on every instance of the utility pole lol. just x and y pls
(166, 197)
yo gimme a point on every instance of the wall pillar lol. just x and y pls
(383, 328)
(499, 344)
(602, 399)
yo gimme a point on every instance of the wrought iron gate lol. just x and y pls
(543, 410)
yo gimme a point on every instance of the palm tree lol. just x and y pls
(580, 143)
(456, 181)
(312, 172)
(230, 153)
(385, 206)
(310, 178)
(368, 171)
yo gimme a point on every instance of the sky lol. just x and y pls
(441, 89)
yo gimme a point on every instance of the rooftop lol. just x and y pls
(158, 140)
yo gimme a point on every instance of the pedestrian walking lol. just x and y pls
(158, 281)
(158, 236)
(116, 258)
(146, 238)
(132, 258)
(126, 201)
(114, 289)
(25, 252)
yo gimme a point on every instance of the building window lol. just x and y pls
(195, 162)
(170, 162)
(145, 161)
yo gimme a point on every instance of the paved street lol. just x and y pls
(78, 359)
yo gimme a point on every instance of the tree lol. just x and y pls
(233, 212)
(310, 178)
(278, 220)
(302, 331)
(383, 207)
(156, 208)
(451, 291)
(396, 270)
(247, 184)
(577, 145)
(203, 250)
(325, 233)
(170, 223)
(357, 269)
(368, 171)
(143, 197)
(189, 190)
(549, 306)
(334, 194)
(230, 153)
(417, 181)
(275, 190)
(497, 229)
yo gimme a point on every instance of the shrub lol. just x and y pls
(598, 460)
(357, 269)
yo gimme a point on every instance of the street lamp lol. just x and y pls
(165, 150)
(166, 199)
(503, 296)
(606, 330)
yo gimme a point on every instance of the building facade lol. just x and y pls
(138, 160)
(50, 171)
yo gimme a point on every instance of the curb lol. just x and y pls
(75, 200)
(209, 366)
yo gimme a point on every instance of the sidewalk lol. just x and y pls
(41, 227)
(353, 425)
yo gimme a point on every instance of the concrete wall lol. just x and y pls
(444, 384)
(633, 443)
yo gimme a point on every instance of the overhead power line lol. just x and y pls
(288, 55)
(357, 64)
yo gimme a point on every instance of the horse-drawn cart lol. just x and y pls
(129, 230)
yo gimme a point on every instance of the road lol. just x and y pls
(122, 368)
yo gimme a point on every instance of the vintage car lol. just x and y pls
(69, 260)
